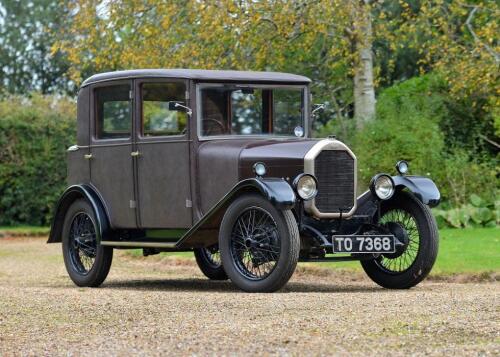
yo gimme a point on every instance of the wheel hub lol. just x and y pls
(401, 235)
(249, 242)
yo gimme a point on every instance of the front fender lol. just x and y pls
(422, 187)
(71, 194)
(204, 232)
(277, 191)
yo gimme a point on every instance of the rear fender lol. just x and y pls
(70, 195)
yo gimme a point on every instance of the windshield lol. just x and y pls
(238, 110)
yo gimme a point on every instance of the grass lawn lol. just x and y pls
(24, 231)
(471, 250)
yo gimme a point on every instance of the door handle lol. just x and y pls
(88, 156)
(135, 154)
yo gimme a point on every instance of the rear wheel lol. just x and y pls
(210, 263)
(86, 261)
(414, 226)
(259, 244)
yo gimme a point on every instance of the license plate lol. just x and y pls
(364, 244)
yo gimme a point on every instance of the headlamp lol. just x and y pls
(306, 186)
(382, 186)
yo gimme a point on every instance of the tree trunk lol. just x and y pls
(364, 90)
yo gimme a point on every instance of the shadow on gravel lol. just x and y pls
(226, 286)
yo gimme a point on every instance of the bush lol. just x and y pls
(462, 175)
(34, 136)
(406, 127)
(410, 126)
(477, 213)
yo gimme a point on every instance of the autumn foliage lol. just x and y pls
(319, 39)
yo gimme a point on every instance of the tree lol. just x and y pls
(457, 39)
(331, 41)
(27, 32)
(364, 88)
(315, 38)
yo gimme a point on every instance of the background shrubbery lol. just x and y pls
(416, 121)
(34, 135)
(440, 138)
(478, 212)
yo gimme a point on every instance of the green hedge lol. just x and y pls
(413, 123)
(34, 136)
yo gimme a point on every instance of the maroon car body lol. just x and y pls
(162, 155)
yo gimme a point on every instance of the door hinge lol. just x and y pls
(132, 204)
(189, 204)
(130, 95)
(187, 95)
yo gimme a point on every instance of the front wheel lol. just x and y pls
(259, 244)
(414, 226)
(87, 262)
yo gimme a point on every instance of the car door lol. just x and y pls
(162, 143)
(111, 164)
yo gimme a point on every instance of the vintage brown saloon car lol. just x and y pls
(222, 163)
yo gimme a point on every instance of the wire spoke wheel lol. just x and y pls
(209, 261)
(259, 244)
(415, 228)
(405, 259)
(255, 243)
(212, 255)
(87, 262)
(82, 243)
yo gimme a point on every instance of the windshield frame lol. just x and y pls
(305, 110)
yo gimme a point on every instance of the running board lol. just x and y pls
(337, 259)
(131, 244)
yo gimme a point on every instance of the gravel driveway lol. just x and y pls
(156, 306)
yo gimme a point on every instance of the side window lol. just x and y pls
(113, 112)
(157, 118)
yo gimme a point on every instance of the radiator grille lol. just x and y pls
(334, 170)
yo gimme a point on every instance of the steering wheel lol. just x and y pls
(221, 125)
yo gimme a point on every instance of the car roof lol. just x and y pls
(200, 75)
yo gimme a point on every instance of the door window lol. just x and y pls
(157, 117)
(113, 112)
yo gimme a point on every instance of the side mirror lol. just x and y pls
(176, 106)
(179, 107)
(317, 108)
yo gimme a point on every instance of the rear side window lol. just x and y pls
(113, 112)
(157, 118)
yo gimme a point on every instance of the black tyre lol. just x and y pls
(259, 244)
(87, 262)
(413, 224)
(210, 263)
